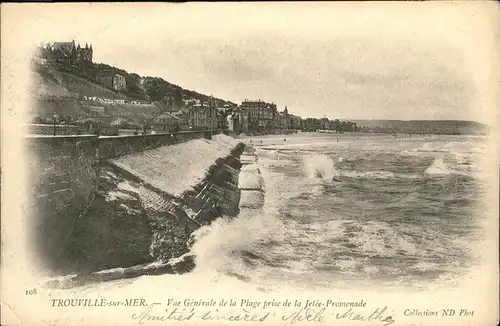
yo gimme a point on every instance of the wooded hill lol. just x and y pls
(155, 88)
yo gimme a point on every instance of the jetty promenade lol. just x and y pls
(130, 202)
(250, 181)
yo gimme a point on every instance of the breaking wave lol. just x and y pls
(370, 174)
(315, 231)
(319, 166)
(439, 167)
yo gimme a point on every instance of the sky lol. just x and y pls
(367, 60)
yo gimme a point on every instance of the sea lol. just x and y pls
(349, 211)
(395, 210)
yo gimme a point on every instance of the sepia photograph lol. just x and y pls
(238, 163)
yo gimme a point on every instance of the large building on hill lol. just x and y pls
(77, 59)
(69, 56)
(110, 79)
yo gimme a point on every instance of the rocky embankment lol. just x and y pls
(147, 206)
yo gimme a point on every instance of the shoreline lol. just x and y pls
(354, 134)
(170, 253)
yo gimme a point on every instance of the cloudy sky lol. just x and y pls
(344, 60)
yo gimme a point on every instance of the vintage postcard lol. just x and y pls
(288, 163)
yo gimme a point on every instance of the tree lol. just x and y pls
(336, 125)
(177, 98)
(36, 120)
(124, 124)
(90, 121)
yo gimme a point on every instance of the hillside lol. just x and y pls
(423, 126)
(64, 93)
(50, 82)
(155, 88)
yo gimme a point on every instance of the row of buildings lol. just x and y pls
(251, 117)
(194, 116)
(262, 117)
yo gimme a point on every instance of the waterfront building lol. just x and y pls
(284, 119)
(167, 122)
(203, 116)
(311, 124)
(325, 123)
(295, 122)
(243, 119)
(260, 114)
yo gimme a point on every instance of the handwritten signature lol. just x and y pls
(378, 314)
(303, 315)
(187, 314)
(307, 314)
(311, 315)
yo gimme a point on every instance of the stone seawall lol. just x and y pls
(64, 176)
(114, 146)
(148, 204)
(94, 208)
(39, 129)
(65, 172)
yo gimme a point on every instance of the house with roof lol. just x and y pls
(203, 116)
(168, 122)
(110, 79)
(261, 115)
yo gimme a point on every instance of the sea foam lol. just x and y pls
(319, 166)
(438, 166)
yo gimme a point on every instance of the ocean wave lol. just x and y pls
(380, 239)
(317, 190)
(295, 239)
(433, 146)
(414, 152)
(369, 174)
(439, 167)
(347, 265)
(424, 266)
(323, 167)
(430, 151)
(319, 166)
(239, 236)
(377, 174)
